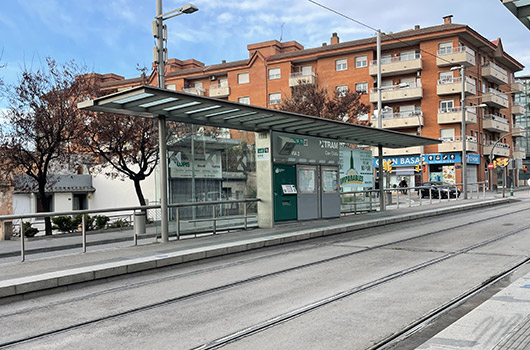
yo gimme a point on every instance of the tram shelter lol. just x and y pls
(277, 136)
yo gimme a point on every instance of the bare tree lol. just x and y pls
(42, 125)
(311, 100)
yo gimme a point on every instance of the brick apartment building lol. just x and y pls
(420, 91)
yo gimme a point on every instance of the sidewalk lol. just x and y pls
(18, 278)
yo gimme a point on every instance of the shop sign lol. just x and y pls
(473, 158)
(205, 165)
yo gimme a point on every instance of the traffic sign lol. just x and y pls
(490, 166)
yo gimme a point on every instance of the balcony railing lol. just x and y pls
(501, 149)
(495, 98)
(401, 120)
(219, 90)
(398, 151)
(494, 73)
(401, 64)
(454, 144)
(397, 93)
(195, 91)
(517, 86)
(454, 115)
(455, 55)
(298, 78)
(518, 109)
(495, 123)
(449, 86)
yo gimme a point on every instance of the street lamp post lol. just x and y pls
(380, 123)
(463, 128)
(160, 61)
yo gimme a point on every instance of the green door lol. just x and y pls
(284, 196)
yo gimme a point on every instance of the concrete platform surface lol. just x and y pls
(500, 323)
(17, 279)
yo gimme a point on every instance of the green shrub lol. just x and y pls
(89, 222)
(65, 223)
(29, 231)
(101, 221)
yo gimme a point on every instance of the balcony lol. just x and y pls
(495, 98)
(495, 123)
(494, 73)
(397, 65)
(412, 119)
(454, 144)
(518, 131)
(517, 86)
(454, 115)
(460, 55)
(299, 78)
(195, 91)
(518, 109)
(387, 152)
(219, 90)
(519, 153)
(398, 94)
(501, 149)
(454, 86)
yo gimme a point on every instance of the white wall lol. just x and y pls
(22, 204)
(63, 202)
(114, 193)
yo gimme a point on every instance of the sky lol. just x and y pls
(115, 36)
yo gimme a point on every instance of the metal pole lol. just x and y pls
(83, 232)
(379, 92)
(162, 128)
(22, 247)
(504, 182)
(381, 179)
(463, 107)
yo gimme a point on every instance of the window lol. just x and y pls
(171, 87)
(341, 64)
(342, 89)
(244, 100)
(307, 70)
(447, 134)
(223, 82)
(445, 48)
(407, 55)
(274, 73)
(275, 98)
(446, 77)
(446, 106)
(198, 85)
(386, 58)
(361, 87)
(361, 61)
(243, 78)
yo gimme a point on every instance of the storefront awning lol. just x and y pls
(151, 102)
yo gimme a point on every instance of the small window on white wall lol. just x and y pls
(274, 73)
(275, 98)
(243, 78)
(244, 100)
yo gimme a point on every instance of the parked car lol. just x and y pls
(439, 188)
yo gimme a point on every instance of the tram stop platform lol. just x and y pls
(60, 272)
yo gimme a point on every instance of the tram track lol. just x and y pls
(283, 317)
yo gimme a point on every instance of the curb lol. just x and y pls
(65, 278)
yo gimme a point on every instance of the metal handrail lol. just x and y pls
(135, 209)
(456, 49)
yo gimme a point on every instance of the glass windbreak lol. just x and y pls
(207, 164)
(306, 180)
(330, 180)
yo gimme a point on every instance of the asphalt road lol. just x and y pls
(347, 291)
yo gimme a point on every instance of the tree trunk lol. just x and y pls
(139, 193)
(45, 203)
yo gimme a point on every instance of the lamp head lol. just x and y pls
(189, 8)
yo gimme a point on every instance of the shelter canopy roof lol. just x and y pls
(151, 102)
